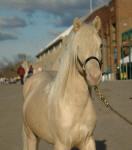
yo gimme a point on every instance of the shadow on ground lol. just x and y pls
(100, 145)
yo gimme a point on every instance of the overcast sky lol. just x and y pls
(26, 26)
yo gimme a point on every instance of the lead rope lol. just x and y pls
(103, 99)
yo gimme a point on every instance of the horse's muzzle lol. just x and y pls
(94, 78)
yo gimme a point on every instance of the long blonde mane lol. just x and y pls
(66, 67)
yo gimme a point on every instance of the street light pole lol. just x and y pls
(91, 9)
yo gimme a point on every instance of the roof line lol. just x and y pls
(60, 37)
(48, 46)
(106, 4)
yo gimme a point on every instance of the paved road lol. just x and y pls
(112, 133)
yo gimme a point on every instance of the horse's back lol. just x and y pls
(38, 82)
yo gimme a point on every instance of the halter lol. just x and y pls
(87, 60)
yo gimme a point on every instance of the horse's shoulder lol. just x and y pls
(52, 74)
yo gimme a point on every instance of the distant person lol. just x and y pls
(21, 73)
(30, 71)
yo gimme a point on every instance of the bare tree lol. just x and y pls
(9, 68)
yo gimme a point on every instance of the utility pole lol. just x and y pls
(91, 8)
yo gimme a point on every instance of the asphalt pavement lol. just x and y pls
(111, 133)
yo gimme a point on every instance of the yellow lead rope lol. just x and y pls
(103, 99)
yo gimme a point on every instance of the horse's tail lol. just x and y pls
(24, 139)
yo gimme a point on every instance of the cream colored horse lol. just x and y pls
(60, 110)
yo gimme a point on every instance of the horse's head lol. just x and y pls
(88, 45)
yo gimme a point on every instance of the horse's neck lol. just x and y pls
(77, 89)
(69, 84)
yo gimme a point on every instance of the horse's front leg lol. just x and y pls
(89, 144)
(30, 141)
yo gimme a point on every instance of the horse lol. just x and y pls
(58, 107)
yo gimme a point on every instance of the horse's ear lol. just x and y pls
(97, 23)
(76, 24)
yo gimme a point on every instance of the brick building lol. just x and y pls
(116, 17)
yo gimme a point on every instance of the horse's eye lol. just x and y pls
(101, 45)
(101, 61)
